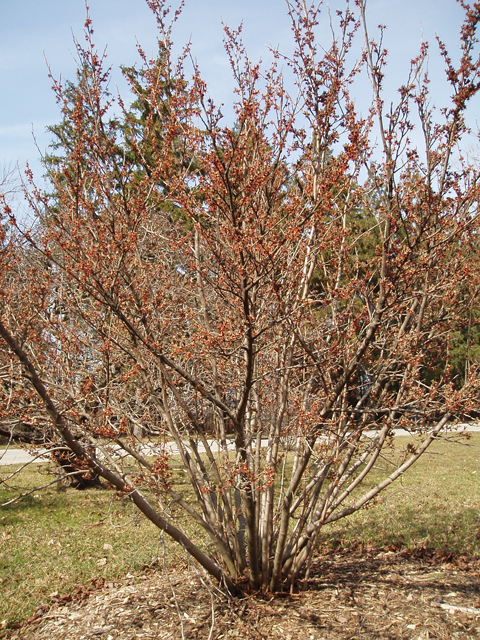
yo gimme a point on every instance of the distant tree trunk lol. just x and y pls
(77, 474)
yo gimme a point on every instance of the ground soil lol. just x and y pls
(356, 594)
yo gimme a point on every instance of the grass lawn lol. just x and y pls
(436, 503)
(59, 538)
(54, 540)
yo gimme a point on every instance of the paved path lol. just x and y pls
(17, 456)
(20, 456)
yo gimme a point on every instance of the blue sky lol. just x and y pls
(33, 30)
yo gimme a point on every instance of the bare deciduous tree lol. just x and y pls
(271, 299)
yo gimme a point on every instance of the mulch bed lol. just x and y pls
(351, 594)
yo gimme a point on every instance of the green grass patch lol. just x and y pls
(436, 503)
(58, 538)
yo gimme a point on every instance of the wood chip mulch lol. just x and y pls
(354, 594)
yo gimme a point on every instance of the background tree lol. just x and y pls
(259, 309)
